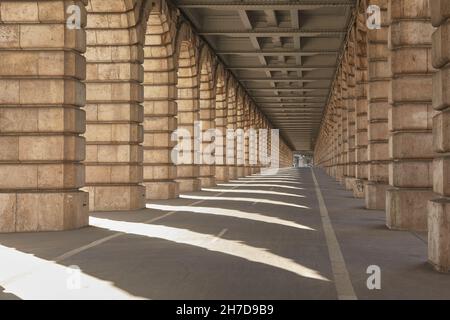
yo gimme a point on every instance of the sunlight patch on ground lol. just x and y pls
(229, 213)
(30, 277)
(265, 201)
(275, 193)
(209, 242)
(258, 185)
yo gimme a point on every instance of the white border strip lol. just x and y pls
(342, 280)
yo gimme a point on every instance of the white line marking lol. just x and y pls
(103, 240)
(342, 280)
(95, 243)
(219, 235)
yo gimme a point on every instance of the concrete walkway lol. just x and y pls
(263, 237)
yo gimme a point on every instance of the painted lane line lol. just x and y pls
(103, 240)
(219, 235)
(98, 242)
(341, 276)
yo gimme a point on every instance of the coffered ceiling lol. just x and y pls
(283, 52)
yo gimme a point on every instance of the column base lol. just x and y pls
(43, 211)
(439, 234)
(406, 209)
(232, 173)
(188, 185)
(207, 176)
(240, 172)
(247, 171)
(256, 170)
(116, 198)
(359, 187)
(222, 174)
(161, 190)
(350, 183)
(206, 182)
(375, 195)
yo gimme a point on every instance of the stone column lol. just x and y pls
(410, 115)
(266, 127)
(340, 130)
(351, 114)
(378, 132)
(221, 128)
(247, 169)
(336, 159)
(240, 144)
(253, 146)
(114, 113)
(265, 151)
(231, 125)
(207, 118)
(41, 121)
(439, 208)
(188, 115)
(344, 120)
(333, 137)
(258, 126)
(160, 109)
(361, 140)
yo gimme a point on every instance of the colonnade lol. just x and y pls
(401, 139)
(87, 114)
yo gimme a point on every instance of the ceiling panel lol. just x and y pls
(283, 52)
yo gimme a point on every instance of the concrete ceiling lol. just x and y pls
(283, 52)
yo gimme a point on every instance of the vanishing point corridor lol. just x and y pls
(225, 149)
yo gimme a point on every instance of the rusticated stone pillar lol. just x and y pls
(253, 148)
(221, 128)
(207, 115)
(439, 208)
(336, 104)
(231, 127)
(160, 109)
(258, 126)
(114, 115)
(247, 170)
(351, 113)
(410, 115)
(188, 115)
(340, 134)
(265, 145)
(240, 141)
(269, 144)
(344, 132)
(334, 135)
(41, 93)
(361, 106)
(378, 133)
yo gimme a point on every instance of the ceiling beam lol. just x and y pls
(275, 52)
(287, 89)
(293, 96)
(295, 23)
(287, 79)
(273, 5)
(280, 68)
(271, 18)
(245, 19)
(243, 15)
(280, 32)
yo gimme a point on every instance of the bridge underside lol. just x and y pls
(151, 145)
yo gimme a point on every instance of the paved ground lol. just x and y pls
(264, 237)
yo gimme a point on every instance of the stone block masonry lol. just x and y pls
(41, 120)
